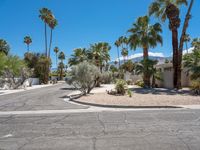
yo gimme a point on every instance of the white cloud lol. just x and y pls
(188, 51)
(154, 54)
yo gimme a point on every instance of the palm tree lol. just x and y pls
(164, 9)
(56, 50)
(45, 15)
(27, 41)
(117, 44)
(186, 40)
(152, 72)
(144, 35)
(61, 56)
(52, 24)
(184, 31)
(80, 55)
(124, 53)
(4, 47)
(100, 54)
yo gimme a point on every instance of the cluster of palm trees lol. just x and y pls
(122, 43)
(97, 54)
(145, 35)
(49, 19)
(61, 56)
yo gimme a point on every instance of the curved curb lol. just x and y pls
(120, 106)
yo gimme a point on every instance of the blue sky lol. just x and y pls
(80, 23)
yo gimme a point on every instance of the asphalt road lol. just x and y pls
(47, 98)
(73, 127)
(127, 130)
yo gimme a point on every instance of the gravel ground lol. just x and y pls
(142, 97)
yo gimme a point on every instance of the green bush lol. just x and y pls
(196, 87)
(139, 83)
(121, 87)
(84, 77)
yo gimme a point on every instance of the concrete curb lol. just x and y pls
(72, 98)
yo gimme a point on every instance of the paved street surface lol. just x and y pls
(37, 99)
(40, 120)
(127, 130)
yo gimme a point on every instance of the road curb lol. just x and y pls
(71, 99)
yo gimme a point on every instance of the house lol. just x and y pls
(166, 70)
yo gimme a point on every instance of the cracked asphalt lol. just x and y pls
(160, 129)
(47, 98)
(127, 130)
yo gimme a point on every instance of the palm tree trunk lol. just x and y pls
(28, 48)
(50, 43)
(185, 26)
(175, 56)
(145, 53)
(61, 72)
(118, 56)
(56, 60)
(45, 32)
(146, 77)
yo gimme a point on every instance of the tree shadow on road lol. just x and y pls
(161, 91)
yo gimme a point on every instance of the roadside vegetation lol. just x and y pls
(90, 66)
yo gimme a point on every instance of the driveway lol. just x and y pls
(126, 130)
(46, 98)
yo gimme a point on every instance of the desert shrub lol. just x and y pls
(196, 87)
(84, 77)
(139, 83)
(106, 77)
(121, 87)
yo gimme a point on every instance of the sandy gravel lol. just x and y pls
(143, 97)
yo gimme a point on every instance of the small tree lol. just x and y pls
(13, 71)
(83, 77)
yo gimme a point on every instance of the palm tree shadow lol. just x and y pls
(161, 91)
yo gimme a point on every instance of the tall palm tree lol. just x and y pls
(164, 9)
(4, 47)
(184, 31)
(117, 44)
(144, 35)
(56, 50)
(45, 15)
(52, 24)
(27, 41)
(61, 56)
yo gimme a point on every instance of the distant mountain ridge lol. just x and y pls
(161, 60)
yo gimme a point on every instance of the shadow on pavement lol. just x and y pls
(161, 91)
